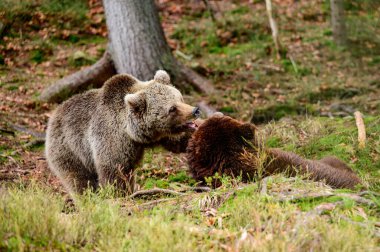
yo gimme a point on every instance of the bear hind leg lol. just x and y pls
(74, 176)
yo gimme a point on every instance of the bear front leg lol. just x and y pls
(176, 144)
(123, 179)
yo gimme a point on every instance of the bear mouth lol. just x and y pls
(191, 125)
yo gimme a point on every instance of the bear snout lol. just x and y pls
(196, 112)
(186, 111)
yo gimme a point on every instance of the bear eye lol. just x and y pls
(172, 109)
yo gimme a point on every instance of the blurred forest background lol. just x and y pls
(302, 95)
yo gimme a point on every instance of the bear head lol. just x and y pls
(216, 147)
(157, 110)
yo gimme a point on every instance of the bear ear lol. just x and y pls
(136, 102)
(247, 130)
(217, 114)
(162, 77)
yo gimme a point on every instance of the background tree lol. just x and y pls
(338, 22)
(137, 45)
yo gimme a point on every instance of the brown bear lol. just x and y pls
(98, 137)
(226, 146)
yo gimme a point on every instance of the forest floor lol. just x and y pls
(303, 103)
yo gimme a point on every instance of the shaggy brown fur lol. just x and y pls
(98, 137)
(227, 146)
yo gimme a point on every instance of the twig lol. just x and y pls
(9, 132)
(264, 186)
(369, 193)
(196, 189)
(14, 161)
(272, 68)
(361, 129)
(184, 56)
(273, 26)
(34, 142)
(39, 135)
(153, 192)
(20, 115)
(294, 64)
(210, 10)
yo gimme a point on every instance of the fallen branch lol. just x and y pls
(153, 192)
(305, 197)
(38, 135)
(361, 129)
(94, 75)
(5, 131)
(357, 199)
(354, 197)
(196, 189)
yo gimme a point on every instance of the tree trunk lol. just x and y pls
(338, 23)
(137, 42)
(137, 46)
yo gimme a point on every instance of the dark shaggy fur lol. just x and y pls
(227, 146)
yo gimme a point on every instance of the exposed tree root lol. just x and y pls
(207, 109)
(94, 75)
(102, 70)
(198, 82)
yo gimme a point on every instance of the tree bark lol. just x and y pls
(338, 22)
(137, 42)
(137, 46)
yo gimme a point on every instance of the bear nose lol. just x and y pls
(196, 112)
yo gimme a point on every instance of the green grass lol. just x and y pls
(32, 218)
(326, 137)
(23, 9)
(234, 53)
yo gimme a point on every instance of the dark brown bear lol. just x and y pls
(226, 146)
